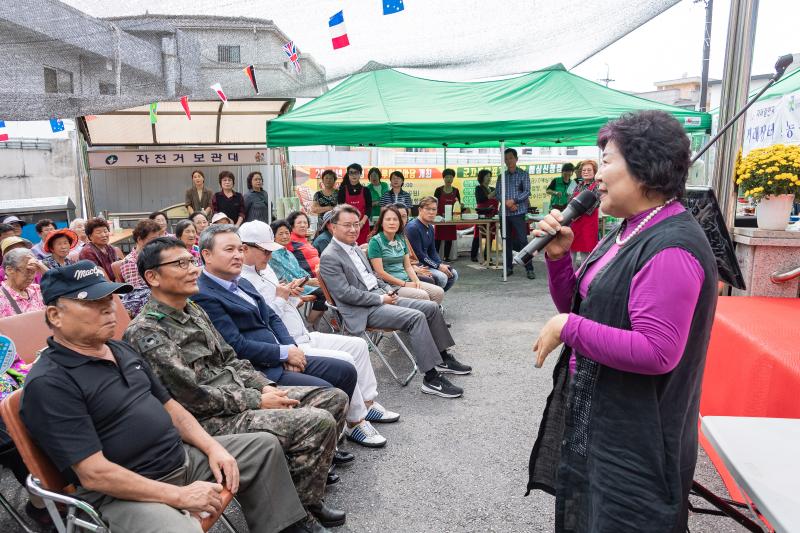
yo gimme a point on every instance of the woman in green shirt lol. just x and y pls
(388, 254)
(376, 188)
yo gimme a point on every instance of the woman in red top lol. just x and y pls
(446, 195)
(587, 227)
(97, 250)
(353, 193)
(301, 248)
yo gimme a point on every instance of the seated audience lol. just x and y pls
(396, 195)
(259, 244)
(351, 192)
(285, 265)
(420, 233)
(78, 225)
(97, 250)
(18, 292)
(248, 324)
(43, 228)
(200, 221)
(144, 232)
(220, 218)
(323, 237)
(307, 256)
(161, 219)
(58, 245)
(16, 223)
(364, 300)
(94, 407)
(423, 272)
(388, 254)
(227, 395)
(13, 243)
(186, 232)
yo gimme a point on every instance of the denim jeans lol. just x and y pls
(441, 279)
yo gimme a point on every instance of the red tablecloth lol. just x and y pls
(753, 364)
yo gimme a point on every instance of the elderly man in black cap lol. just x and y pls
(95, 408)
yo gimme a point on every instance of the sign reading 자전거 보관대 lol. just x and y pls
(108, 159)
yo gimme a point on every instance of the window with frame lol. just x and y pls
(108, 89)
(57, 81)
(229, 53)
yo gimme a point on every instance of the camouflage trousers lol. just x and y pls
(308, 434)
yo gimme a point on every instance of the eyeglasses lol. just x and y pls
(183, 262)
(354, 226)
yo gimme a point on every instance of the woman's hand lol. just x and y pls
(549, 338)
(560, 245)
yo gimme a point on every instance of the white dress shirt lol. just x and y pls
(367, 277)
(265, 283)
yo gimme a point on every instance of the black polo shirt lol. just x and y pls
(75, 406)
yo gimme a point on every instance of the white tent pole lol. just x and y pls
(503, 206)
(271, 187)
(444, 146)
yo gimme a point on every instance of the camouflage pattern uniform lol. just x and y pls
(201, 372)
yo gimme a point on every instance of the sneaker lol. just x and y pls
(441, 386)
(378, 414)
(451, 366)
(365, 435)
(531, 274)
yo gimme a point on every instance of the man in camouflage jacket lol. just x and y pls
(226, 394)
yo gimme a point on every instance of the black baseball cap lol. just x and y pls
(81, 281)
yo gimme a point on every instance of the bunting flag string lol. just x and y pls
(338, 31)
(153, 112)
(217, 88)
(3, 131)
(185, 104)
(392, 6)
(56, 125)
(291, 52)
(250, 70)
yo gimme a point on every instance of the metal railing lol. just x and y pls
(784, 276)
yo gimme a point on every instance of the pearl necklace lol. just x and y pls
(620, 241)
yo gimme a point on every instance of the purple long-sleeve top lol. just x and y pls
(661, 303)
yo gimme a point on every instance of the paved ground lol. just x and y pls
(461, 465)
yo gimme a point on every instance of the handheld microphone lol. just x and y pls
(577, 207)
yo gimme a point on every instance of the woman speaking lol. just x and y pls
(617, 444)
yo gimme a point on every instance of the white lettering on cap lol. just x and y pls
(80, 274)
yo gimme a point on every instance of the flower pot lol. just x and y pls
(772, 212)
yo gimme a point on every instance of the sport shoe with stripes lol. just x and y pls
(380, 415)
(364, 434)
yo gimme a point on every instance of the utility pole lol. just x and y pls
(706, 54)
(607, 79)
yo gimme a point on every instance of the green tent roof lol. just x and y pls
(385, 107)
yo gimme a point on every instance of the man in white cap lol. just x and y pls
(259, 243)
(16, 223)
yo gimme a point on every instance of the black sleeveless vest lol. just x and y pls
(618, 449)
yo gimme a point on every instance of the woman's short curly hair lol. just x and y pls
(655, 148)
(94, 223)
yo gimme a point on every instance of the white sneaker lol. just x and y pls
(365, 435)
(379, 414)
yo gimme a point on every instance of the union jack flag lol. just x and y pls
(293, 54)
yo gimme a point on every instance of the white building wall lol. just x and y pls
(38, 169)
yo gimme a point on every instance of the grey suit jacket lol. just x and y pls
(347, 288)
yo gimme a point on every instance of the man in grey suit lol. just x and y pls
(365, 300)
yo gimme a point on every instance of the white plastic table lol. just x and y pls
(763, 457)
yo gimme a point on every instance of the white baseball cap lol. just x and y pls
(259, 234)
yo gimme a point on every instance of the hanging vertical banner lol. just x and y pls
(56, 125)
(185, 104)
(3, 131)
(217, 88)
(338, 31)
(250, 70)
(153, 112)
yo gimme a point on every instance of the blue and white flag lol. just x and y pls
(392, 6)
(56, 124)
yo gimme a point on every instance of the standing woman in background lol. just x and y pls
(446, 195)
(486, 206)
(256, 203)
(228, 201)
(377, 188)
(198, 198)
(587, 227)
(353, 193)
(325, 199)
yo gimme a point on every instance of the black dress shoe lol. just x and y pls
(306, 525)
(327, 516)
(343, 458)
(333, 477)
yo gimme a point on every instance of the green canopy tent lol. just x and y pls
(388, 108)
(385, 107)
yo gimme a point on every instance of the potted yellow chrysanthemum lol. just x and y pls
(771, 177)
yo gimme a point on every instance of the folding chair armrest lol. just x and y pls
(71, 503)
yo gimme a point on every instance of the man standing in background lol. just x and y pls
(517, 199)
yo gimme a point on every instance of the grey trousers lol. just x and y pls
(424, 323)
(266, 492)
